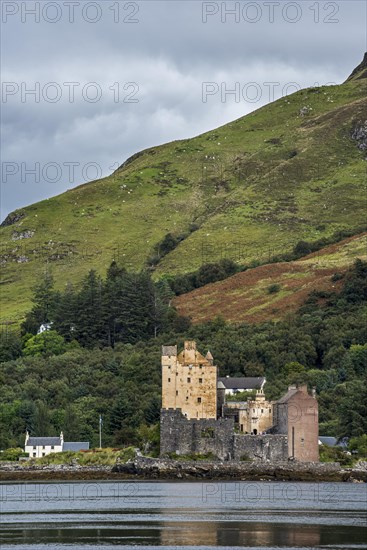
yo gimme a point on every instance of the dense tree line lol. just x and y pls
(324, 344)
(123, 307)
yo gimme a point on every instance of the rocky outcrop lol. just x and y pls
(13, 217)
(142, 468)
(359, 134)
(255, 471)
(360, 71)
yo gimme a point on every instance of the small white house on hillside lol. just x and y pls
(235, 385)
(38, 447)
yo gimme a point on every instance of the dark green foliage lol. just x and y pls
(45, 300)
(274, 288)
(10, 346)
(207, 273)
(125, 307)
(323, 345)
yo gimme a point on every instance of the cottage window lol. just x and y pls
(43, 447)
(199, 399)
(43, 454)
(34, 447)
(34, 454)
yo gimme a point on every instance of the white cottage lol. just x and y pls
(235, 385)
(38, 447)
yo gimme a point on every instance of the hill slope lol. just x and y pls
(251, 296)
(292, 170)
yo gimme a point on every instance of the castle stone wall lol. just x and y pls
(271, 448)
(184, 436)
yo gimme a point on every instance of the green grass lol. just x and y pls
(96, 457)
(238, 183)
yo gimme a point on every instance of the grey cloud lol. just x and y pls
(169, 54)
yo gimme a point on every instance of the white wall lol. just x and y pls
(40, 451)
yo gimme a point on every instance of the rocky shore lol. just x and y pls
(163, 469)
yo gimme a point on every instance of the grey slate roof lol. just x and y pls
(37, 441)
(249, 383)
(288, 395)
(75, 446)
(332, 441)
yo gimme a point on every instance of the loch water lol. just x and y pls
(148, 515)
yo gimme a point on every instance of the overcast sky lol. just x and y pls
(110, 78)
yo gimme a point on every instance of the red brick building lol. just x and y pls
(296, 415)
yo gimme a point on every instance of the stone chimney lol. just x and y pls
(26, 437)
(313, 393)
(209, 357)
(62, 438)
(189, 352)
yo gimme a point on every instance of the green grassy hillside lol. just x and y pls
(292, 170)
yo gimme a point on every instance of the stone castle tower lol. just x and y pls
(189, 382)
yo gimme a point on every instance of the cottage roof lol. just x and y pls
(40, 441)
(243, 383)
(75, 446)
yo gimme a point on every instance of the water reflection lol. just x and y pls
(198, 533)
(187, 515)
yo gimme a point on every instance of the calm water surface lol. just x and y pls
(106, 515)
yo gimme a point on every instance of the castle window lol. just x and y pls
(169, 380)
(200, 380)
(176, 392)
(188, 380)
(262, 410)
(199, 399)
(270, 410)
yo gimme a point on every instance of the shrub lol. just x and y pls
(274, 288)
(12, 454)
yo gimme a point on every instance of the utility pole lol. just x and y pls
(100, 431)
